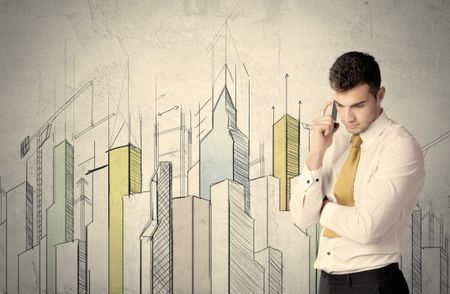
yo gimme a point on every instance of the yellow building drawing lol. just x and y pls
(285, 155)
(125, 177)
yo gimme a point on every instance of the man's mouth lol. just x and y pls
(352, 126)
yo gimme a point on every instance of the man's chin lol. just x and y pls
(353, 130)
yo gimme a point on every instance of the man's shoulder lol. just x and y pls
(397, 135)
(400, 150)
(397, 131)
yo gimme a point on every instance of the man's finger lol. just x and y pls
(327, 122)
(324, 119)
(323, 110)
(328, 130)
(324, 129)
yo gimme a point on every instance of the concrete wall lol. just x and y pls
(49, 51)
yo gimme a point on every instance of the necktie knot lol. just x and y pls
(356, 141)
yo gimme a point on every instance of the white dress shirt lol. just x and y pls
(387, 184)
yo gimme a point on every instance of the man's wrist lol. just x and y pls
(314, 160)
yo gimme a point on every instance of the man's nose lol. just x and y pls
(349, 115)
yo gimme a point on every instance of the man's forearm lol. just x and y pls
(315, 160)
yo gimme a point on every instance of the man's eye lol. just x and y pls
(360, 106)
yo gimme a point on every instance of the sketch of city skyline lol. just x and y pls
(122, 194)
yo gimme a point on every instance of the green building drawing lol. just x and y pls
(60, 213)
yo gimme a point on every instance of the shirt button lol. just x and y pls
(307, 181)
(317, 180)
(328, 253)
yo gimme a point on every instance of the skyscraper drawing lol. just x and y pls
(29, 271)
(224, 150)
(60, 213)
(191, 245)
(136, 214)
(234, 269)
(285, 155)
(162, 236)
(416, 243)
(70, 267)
(279, 245)
(18, 204)
(124, 168)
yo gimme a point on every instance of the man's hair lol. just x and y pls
(353, 69)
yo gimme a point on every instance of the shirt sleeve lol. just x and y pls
(392, 188)
(306, 197)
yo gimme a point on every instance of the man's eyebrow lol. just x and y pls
(353, 105)
(359, 103)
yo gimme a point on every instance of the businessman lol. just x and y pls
(360, 184)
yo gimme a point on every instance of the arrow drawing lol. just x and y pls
(173, 108)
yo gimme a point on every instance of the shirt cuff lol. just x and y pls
(309, 178)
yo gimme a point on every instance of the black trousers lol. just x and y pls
(385, 280)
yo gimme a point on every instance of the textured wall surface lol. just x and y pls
(136, 51)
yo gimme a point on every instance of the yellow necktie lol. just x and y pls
(343, 190)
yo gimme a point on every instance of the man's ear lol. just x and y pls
(380, 94)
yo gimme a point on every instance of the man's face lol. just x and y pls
(358, 108)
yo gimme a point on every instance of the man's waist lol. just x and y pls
(363, 276)
(342, 256)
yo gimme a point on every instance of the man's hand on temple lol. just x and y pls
(323, 131)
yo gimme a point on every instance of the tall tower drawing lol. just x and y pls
(191, 245)
(434, 279)
(60, 213)
(162, 237)
(285, 156)
(16, 230)
(224, 150)
(233, 265)
(124, 169)
(416, 243)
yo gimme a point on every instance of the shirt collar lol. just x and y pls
(375, 128)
